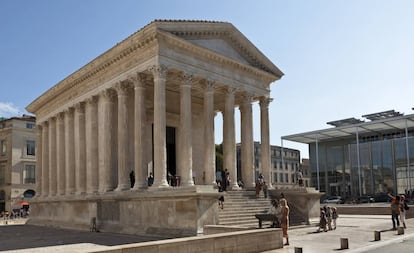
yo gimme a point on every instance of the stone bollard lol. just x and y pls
(377, 236)
(344, 243)
(298, 250)
(400, 230)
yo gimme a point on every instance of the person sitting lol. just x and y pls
(275, 210)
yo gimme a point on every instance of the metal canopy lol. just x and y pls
(377, 126)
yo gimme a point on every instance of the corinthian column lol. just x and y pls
(91, 126)
(39, 155)
(265, 139)
(45, 159)
(229, 138)
(247, 144)
(139, 131)
(123, 173)
(186, 132)
(69, 152)
(52, 157)
(105, 118)
(160, 151)
(60, 139)
(80, 148)
(209, 147)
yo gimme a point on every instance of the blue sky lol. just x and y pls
(341, 59)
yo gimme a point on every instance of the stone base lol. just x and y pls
(174, 212)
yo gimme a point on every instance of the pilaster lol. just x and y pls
(80, 148)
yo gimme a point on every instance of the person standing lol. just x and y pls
(403, 208)
(334, 216)
(284, 222)
(395, 211)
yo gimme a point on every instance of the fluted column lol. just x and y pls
(80, 148)
(52, 157)
(229, 138)
(45, 159)
(91, 126)
(123, 170)
(39, 155)
(105, 118)
(265, 139)
(209, 147)
(186, 131)
(160, 150)
(60, 143)
(139, 132)
(69, 152)
(247, 143)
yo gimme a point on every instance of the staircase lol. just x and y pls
(241, 206)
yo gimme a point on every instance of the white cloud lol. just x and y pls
(8, 110)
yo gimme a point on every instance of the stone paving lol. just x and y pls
(358, 229)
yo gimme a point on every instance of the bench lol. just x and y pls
(268, 217)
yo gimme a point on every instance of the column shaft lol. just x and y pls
(60, 139)
(123, 172)
(209, 148)
(160, 151)
(247, 144)
(265, 140)
(229, 138)
(80, 149)
(52, 157)
(91, 126)
(69, 152)
(45, 159)
(105, 112)
(186, 132)
(139, 132)
(38, 175)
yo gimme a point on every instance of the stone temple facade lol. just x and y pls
(148, 105)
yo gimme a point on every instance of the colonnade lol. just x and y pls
(82, 151)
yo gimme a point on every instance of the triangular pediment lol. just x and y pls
(222, 38)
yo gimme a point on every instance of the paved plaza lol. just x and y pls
(359, 229)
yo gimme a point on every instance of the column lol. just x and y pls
(265, 139)
(229, 138)
(209, 147)
(69, 153)
(247, 143)
(60, 144)
(45, 159)
(39, 155)
(186, 131)
(139, 132)
(91, 126)
(52, 157)
(80, 148)
(160, 151)
(105, 118)
(123, 171)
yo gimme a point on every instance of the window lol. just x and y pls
(29, 174)
(30, 125)
(30, 147)
(287, 178)
(281, 177)
(2, 173)
(3, 147)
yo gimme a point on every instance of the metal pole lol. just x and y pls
(359, 163)
(317, 163)
(408, 157)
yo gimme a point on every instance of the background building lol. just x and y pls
(358, 157)
(285, 164)
(17, 161)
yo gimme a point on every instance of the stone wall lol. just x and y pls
(174, 212)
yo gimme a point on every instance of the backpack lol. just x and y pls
(406, 207)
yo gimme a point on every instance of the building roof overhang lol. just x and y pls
(397, 123)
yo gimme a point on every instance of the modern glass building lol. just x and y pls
(362, 157)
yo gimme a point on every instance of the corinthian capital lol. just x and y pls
(265, 101)
(122, 88)
(159, 71)
(138, 80)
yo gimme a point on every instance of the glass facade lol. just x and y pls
(370, 167)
